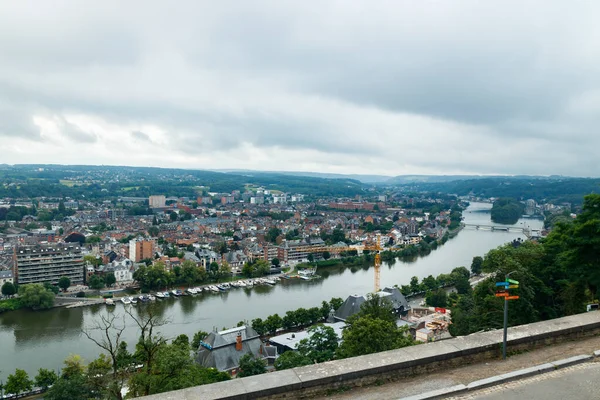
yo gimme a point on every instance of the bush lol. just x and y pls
(10, 305)
(80, 294)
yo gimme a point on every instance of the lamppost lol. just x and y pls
(505, 319)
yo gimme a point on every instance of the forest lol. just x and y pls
(506, 211)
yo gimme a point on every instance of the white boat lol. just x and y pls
(160, 295)
(235, 284)
(249, 283)
(269, 281)
(191, 290)
(125, 300)
(198, 290)
(133, 300)
(166, 295)
(241, 284)
(151, 297)
(109, 302)
(177, 292)
(307, 272)
(213, 288)
(226, 285)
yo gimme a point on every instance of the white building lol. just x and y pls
(6, 276)
(279, 199)
(157, 201)
(122, 269)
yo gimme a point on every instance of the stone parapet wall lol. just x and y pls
(391, 365)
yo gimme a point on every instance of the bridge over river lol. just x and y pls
(523, 229)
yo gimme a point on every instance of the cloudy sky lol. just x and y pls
(379, 87)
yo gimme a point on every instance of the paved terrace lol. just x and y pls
(346, 378)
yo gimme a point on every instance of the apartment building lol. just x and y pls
(295, 251)
(141, 249)
(157, 201)
(48, 263)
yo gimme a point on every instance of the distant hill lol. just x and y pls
(323, 175)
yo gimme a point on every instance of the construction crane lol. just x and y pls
(377, 249)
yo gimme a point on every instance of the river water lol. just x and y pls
(30, 340)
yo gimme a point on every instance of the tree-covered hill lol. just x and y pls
(111, 181)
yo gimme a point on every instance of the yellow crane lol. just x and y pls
(377, 249)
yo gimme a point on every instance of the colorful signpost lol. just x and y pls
(502, 291)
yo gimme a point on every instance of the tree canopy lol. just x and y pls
(36, 296)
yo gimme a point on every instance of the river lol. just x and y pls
(30, 340)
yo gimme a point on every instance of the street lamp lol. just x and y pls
(505, 318)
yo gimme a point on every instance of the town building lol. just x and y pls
(157, 201)
(141, 249)
(223, 350)
(353, 303)
(48, 263)
(6, 276)
(279, 199)
(289, 341)
(295, 251)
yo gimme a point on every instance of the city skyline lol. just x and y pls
(386, 88)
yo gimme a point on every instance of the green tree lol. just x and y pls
(477, 265)
(36, 296)
(377, 307)
(325, 310)
(73, 366)
(272, 234)
(291, 359)
(45, 378)
(95, 261)
(189, 272)
(326, 255)
(462, 286)
(437, 298)
(275, 262)
(64, 283)
(153, 230)
(250, 365)
(272, 323)
(110, 279)
(52, 288)
(96, 282)
(8, 289)
(173, 216)
(321, 345)
(18, 382)
(182, 341)
(259, 326)
(415, 287)
(336, 302)
(72, 388)
(93, 239)
(366, 335)
(430, 283)
(198, 337)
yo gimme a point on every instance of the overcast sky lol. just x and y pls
(377, 87)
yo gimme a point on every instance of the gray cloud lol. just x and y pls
(74, 133)
(396, 87)
(141, 136)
